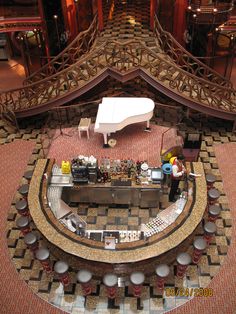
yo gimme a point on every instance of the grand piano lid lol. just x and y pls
(116, 109)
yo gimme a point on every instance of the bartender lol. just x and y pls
(178, 172)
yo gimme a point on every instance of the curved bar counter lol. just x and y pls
(140, 255)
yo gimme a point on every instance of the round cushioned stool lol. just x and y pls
(31, 241)
(22, 207)
(209, 231)
(61, 269)
(42, 255)
(23, 223)
(210, 179)
(137, 279)
(23, 190)
(199, 245)
(28, 175)
(162, 271)
(84, 278)
(110, 281)
(212, 196)
(183, 260)
(213, 212)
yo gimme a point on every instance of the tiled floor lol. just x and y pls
(123, 20)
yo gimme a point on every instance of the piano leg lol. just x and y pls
(105, 145)
(148, 129)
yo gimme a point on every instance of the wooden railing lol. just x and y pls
(12, 24)
(70, 55)
(208, 8)
(121, 58)
(184, 59)
(215, 13)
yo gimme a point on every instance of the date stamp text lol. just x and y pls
(189, 292)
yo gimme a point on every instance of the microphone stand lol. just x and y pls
(62, 133)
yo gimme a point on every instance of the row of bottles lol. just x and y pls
(111, 168)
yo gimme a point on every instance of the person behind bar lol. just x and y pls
(178, 171)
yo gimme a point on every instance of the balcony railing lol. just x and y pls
(20, 24)
(70, 55)
(122, 58)
(185, 60)
(203, 12)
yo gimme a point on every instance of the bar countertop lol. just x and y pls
(92, 250)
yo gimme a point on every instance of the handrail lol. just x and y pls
(78, 47)
(184, 59)
(20, 23)
(221, 7)
(120, 57)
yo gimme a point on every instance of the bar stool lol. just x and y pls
(209, 231)
(23, 190)
(22, 207)
(199, 246)
(31, 241)
(23, 223)
(28, 175)
(213, 195)
(183, 260)
(61, 269)
(210, 179)
(213, 212)
(137, 279)
(42, 255)
(162, 271)
(84, 278)
(110, 281)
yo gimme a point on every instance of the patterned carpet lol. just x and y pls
(217, 267)
(72, 300)
(214, 132)
(123, 20)
(223, 300)
(14, 158)
(132, 141)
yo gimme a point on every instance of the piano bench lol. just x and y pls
(84, 125)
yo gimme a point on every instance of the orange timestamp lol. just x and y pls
(189, 292)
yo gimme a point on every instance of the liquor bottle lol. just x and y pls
(138, 166)
(99, 176)
(101, 161)
(108, 163)
(129, 172)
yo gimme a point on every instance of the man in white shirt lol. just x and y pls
(178, 171)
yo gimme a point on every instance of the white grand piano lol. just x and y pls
(114, 113)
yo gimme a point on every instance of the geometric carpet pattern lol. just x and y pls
(217, 266)
(14, 158)
(218, 155)
(132, 143)
(71, 299)
(127, 20)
